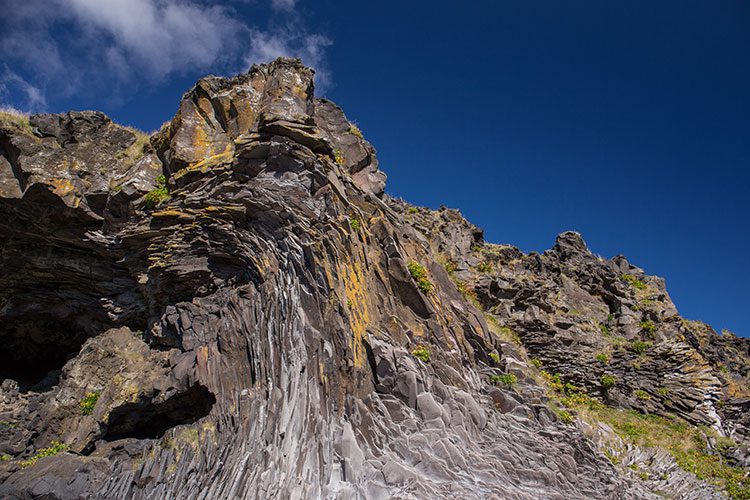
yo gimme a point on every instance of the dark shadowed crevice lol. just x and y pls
(33, 352)
(149, 420)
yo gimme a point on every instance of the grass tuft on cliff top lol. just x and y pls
(15, 119)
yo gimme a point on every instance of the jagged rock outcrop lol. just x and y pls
(264, 322)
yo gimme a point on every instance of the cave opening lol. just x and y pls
(149, 420)
(34, 352)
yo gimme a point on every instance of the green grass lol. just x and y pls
(686, 443)
(412, 210)
(507, 379)
(422, 352)
(604, 329)
(494, 357)
(608, 381)
(537, 363)
(57, 447)
(88, 403)
(419, 273)
(159, 195)
(602, 357)
(633, 281)
(355, 224)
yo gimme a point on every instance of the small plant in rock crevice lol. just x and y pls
(495, 357)
(507, 379)
(355, 224)
(88, 403)
(608, 381)
(484, 267)
(419, 274)
(564, 416)
(158, 195)
(648, 327)
(421, 352)
(57, 447)
(338, 156)
(354, 130)
(641, 394)
(633, 281)
(639, 346)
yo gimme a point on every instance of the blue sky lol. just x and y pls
(625, 120)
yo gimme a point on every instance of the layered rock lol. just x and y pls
(251, 324)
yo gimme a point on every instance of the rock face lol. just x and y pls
(235, 309)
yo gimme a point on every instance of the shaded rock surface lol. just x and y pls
(246, 327)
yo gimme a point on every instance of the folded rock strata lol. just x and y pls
(245, 326)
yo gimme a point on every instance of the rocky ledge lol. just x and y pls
(233, 308)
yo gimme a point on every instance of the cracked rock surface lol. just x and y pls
(230, 309)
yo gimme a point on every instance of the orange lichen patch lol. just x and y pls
(359, 315)
(63, 187)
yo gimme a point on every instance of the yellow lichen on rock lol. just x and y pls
(357, 304)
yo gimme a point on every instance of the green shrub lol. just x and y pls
(484, 267)
(633, 281)
(57, 447)
(355, 224)
(419, 273)
(663, 391)
(494, 357)
(349, 304)
(604, 329)
(506, 379)
(564, 417)
(159, 195)
(412, 210)
(641, 394)
(421, 352)
(88, 403)
(602, 358)
(648, 327)
(608, 381)
(639, 346)
(536, 362)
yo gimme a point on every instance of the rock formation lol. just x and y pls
(233, 308)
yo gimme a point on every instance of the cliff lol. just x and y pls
(233, 308)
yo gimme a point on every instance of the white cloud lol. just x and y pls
(115, 46)
(291, 39)
(33, 96)
(283, 4)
